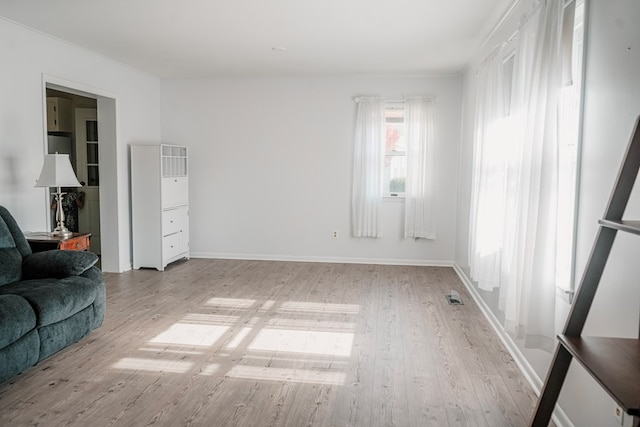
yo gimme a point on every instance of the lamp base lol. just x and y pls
(61, 232)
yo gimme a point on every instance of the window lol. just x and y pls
(568, 142)
(395, 156)
(93, 177)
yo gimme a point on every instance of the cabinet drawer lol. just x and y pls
(175, 191)
(170, 246)
(172, 220)
(75, 244)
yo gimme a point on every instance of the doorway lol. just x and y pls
(72, 128)
(96, 164)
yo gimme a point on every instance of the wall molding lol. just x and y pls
(322, 259)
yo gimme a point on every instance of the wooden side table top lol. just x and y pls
(43, 241)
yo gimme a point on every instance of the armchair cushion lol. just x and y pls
(54, 300)
(16, 319)
(11, 257)
(6, 239)
(10, 266)
(57, 264)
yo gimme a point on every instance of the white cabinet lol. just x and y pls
(159, 205)
(59, 115)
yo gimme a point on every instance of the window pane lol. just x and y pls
(92, 153)
(395, 171)
(394, 120)
(92, 175)
(92, 130)
(395, 161)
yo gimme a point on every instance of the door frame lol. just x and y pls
(111, 219)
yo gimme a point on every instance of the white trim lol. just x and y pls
(75, 88)
(559, 416)
(504, 17)
(337, 260)
(110, 200)
(399, 197)
(25, 27)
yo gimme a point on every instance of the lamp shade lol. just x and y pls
(57, 172)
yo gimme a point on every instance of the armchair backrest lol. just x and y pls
(13, 248)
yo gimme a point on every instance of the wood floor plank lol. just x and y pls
(258, 343)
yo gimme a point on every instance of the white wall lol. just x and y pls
(26, 57)
(612, 103)
(271, 162)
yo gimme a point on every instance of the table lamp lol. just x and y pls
(57, 172)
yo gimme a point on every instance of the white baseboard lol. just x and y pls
(336, 260)
(559, 416)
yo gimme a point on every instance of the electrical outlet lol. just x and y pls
(619, 414)
(334, 234)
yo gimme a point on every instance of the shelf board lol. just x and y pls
(614, 363)
(628, 226)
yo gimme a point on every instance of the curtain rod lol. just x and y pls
(523, 20)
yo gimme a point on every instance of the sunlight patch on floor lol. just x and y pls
(230, 302)
(153, 365)
(288, 331)
(210, 319)
(210, 369)
(307, 342)
(319, 307)
(189, 334)
(267, 305)
(289, 375)
(311, 324)
(239, 337)
(334, 363)
(163, 350)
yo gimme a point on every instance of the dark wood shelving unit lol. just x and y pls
(613, 362)
(632, 227)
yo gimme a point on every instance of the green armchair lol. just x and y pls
(48, 300)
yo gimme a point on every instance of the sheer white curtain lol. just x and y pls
(489, 182)
(525, 190)
(419, 191)
(368, 158)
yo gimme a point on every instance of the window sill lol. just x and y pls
(393, 198)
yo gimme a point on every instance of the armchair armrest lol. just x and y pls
(57, 264)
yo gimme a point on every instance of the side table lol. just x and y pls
(42, 241)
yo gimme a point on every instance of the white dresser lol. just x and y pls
(159, 205)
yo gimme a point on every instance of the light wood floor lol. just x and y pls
(254, 343)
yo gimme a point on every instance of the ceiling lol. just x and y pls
(207, 38)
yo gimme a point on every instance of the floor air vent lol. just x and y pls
(454, 298)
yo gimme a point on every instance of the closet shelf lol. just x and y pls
(614, 363)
